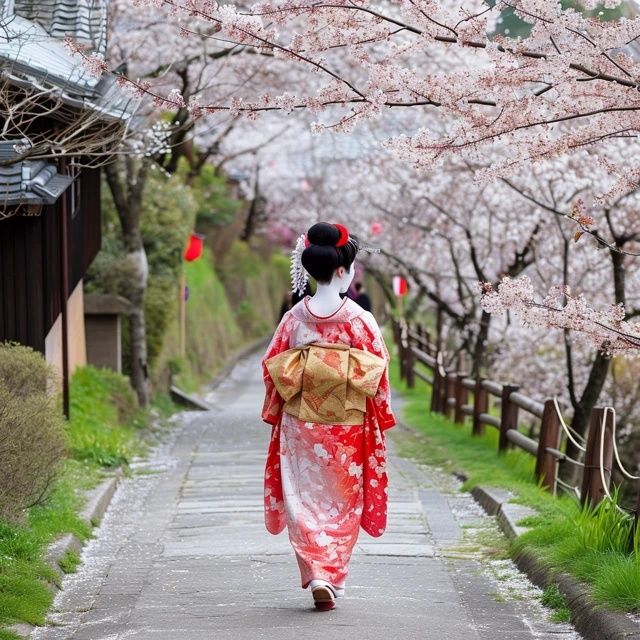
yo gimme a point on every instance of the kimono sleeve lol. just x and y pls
(381, 402)
(273, 403)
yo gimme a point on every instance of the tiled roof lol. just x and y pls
(83, 20)
(32, 57)
(28, 181)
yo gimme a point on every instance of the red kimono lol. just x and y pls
(325, 481)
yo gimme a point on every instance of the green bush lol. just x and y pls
(32, 438)
(215, 206)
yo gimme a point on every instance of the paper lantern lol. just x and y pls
(194, 247)
(400, 286)
(376, 228)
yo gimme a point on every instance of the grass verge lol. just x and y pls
(598, 547)
(105, 431)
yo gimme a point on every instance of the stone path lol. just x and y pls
(182, 553)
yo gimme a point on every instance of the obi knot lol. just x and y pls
(326, 383)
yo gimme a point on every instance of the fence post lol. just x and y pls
(593, 490)
(442, 394)
(402, 348)
(409, 364)
(420, 332)
(462, 395)
(450, 392)
(480, 405)
(396, 331)
(546, 470)
(435, 389)
(509, 416)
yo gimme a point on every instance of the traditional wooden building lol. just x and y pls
(49, 207)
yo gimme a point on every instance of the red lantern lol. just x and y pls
(400, 286)
(376, 228)
(194, 247)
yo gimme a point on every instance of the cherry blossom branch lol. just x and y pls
(578, 217)
(605, 329)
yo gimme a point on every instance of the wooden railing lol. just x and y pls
(500, 406)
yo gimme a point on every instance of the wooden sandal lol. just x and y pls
(323, 598)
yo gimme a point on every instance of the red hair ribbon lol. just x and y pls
(306, 241)
(344, 235)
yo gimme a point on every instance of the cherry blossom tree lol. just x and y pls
(508, 144)
(566, 83)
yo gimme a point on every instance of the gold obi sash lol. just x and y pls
(326, 383)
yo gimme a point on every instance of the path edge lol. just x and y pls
(98, 498)
(593, 621)
(96, 503)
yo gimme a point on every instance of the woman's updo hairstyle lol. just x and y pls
(329, 246)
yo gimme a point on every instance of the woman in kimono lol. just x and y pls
(327, 399)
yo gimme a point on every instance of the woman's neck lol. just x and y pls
(326, 299)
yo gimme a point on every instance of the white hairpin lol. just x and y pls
(299, 276)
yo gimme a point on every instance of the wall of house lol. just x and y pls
(31, 283)
(29, 277)
(75, 333)
(76, 330)
(53, 348)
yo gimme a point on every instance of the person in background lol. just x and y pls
(362, 298)
(291, 299)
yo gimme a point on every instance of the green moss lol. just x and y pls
(212, 331)
(255, 287)
(24, 594)
(164, 405)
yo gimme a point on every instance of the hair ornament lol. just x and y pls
(344, 235)
(299, 276)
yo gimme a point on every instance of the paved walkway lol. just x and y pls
(182, 553)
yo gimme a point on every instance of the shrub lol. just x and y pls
(32, 435)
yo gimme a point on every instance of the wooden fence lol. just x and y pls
(451, 393)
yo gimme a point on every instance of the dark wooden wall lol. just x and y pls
(30, 262)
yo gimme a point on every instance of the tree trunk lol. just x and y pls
(137, 326)
(480, 347)
(256, 209)
(582, 411)
(127, 181)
